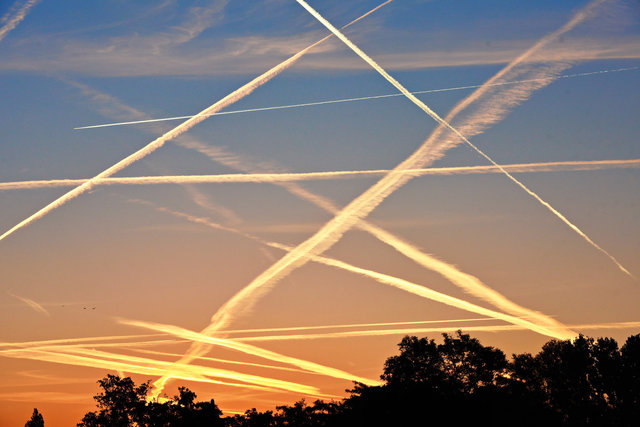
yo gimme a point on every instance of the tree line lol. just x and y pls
(583, 382)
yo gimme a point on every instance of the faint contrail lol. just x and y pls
(31, 303)
(183, 127)
(579, 17)
(565, 166)
(249, 349)
(11, 20)
(362, 98)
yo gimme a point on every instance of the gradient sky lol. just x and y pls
(130, 252)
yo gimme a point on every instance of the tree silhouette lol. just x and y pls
(122, 404)
(583, 382)
(36, 419)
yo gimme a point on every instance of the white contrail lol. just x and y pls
(32, 304)
(416, 331)
(362, 98)
(249, 349)
(526, 318)
(564, 166)
(574, 21)
(542, 324)
(113, 361)
(11, 20)
(357, 209)
(183, 127)
(335, 228)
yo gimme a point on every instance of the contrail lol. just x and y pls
(563, 166)
(544, 324)
(416, 331)
(361, 206)
(65, 341)
(467, 282)
(9, 21)
(249, 349)
(215, 359)
(113, 361)
(362, 98)
(32, 304)
(183, 127)
(335, 228)
(576, 19)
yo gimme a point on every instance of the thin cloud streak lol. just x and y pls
(11, 21)
(175, 132)
(32, 304)
(363, 98)
(565, 166)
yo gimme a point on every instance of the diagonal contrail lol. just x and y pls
(442, 122)
(361, 98)
(523, 317)
(286, 177)
(465, 281)
(175, 132)
(335, 228)
(10, 21)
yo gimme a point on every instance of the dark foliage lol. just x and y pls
(122, 404)
(36, 419)
(584, 382)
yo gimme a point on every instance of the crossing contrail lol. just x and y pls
(332, 231)
(465, 281)
(444, 123)
(113, 361)
(362, 98)
(175, 132)
(361, 206)
(565, 166)
(249, 349)
(11, 20)
(526, 318)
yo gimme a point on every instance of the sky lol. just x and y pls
(129, 277)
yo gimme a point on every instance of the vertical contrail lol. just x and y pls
(173, 133)
(442, 122)
(10, 21)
